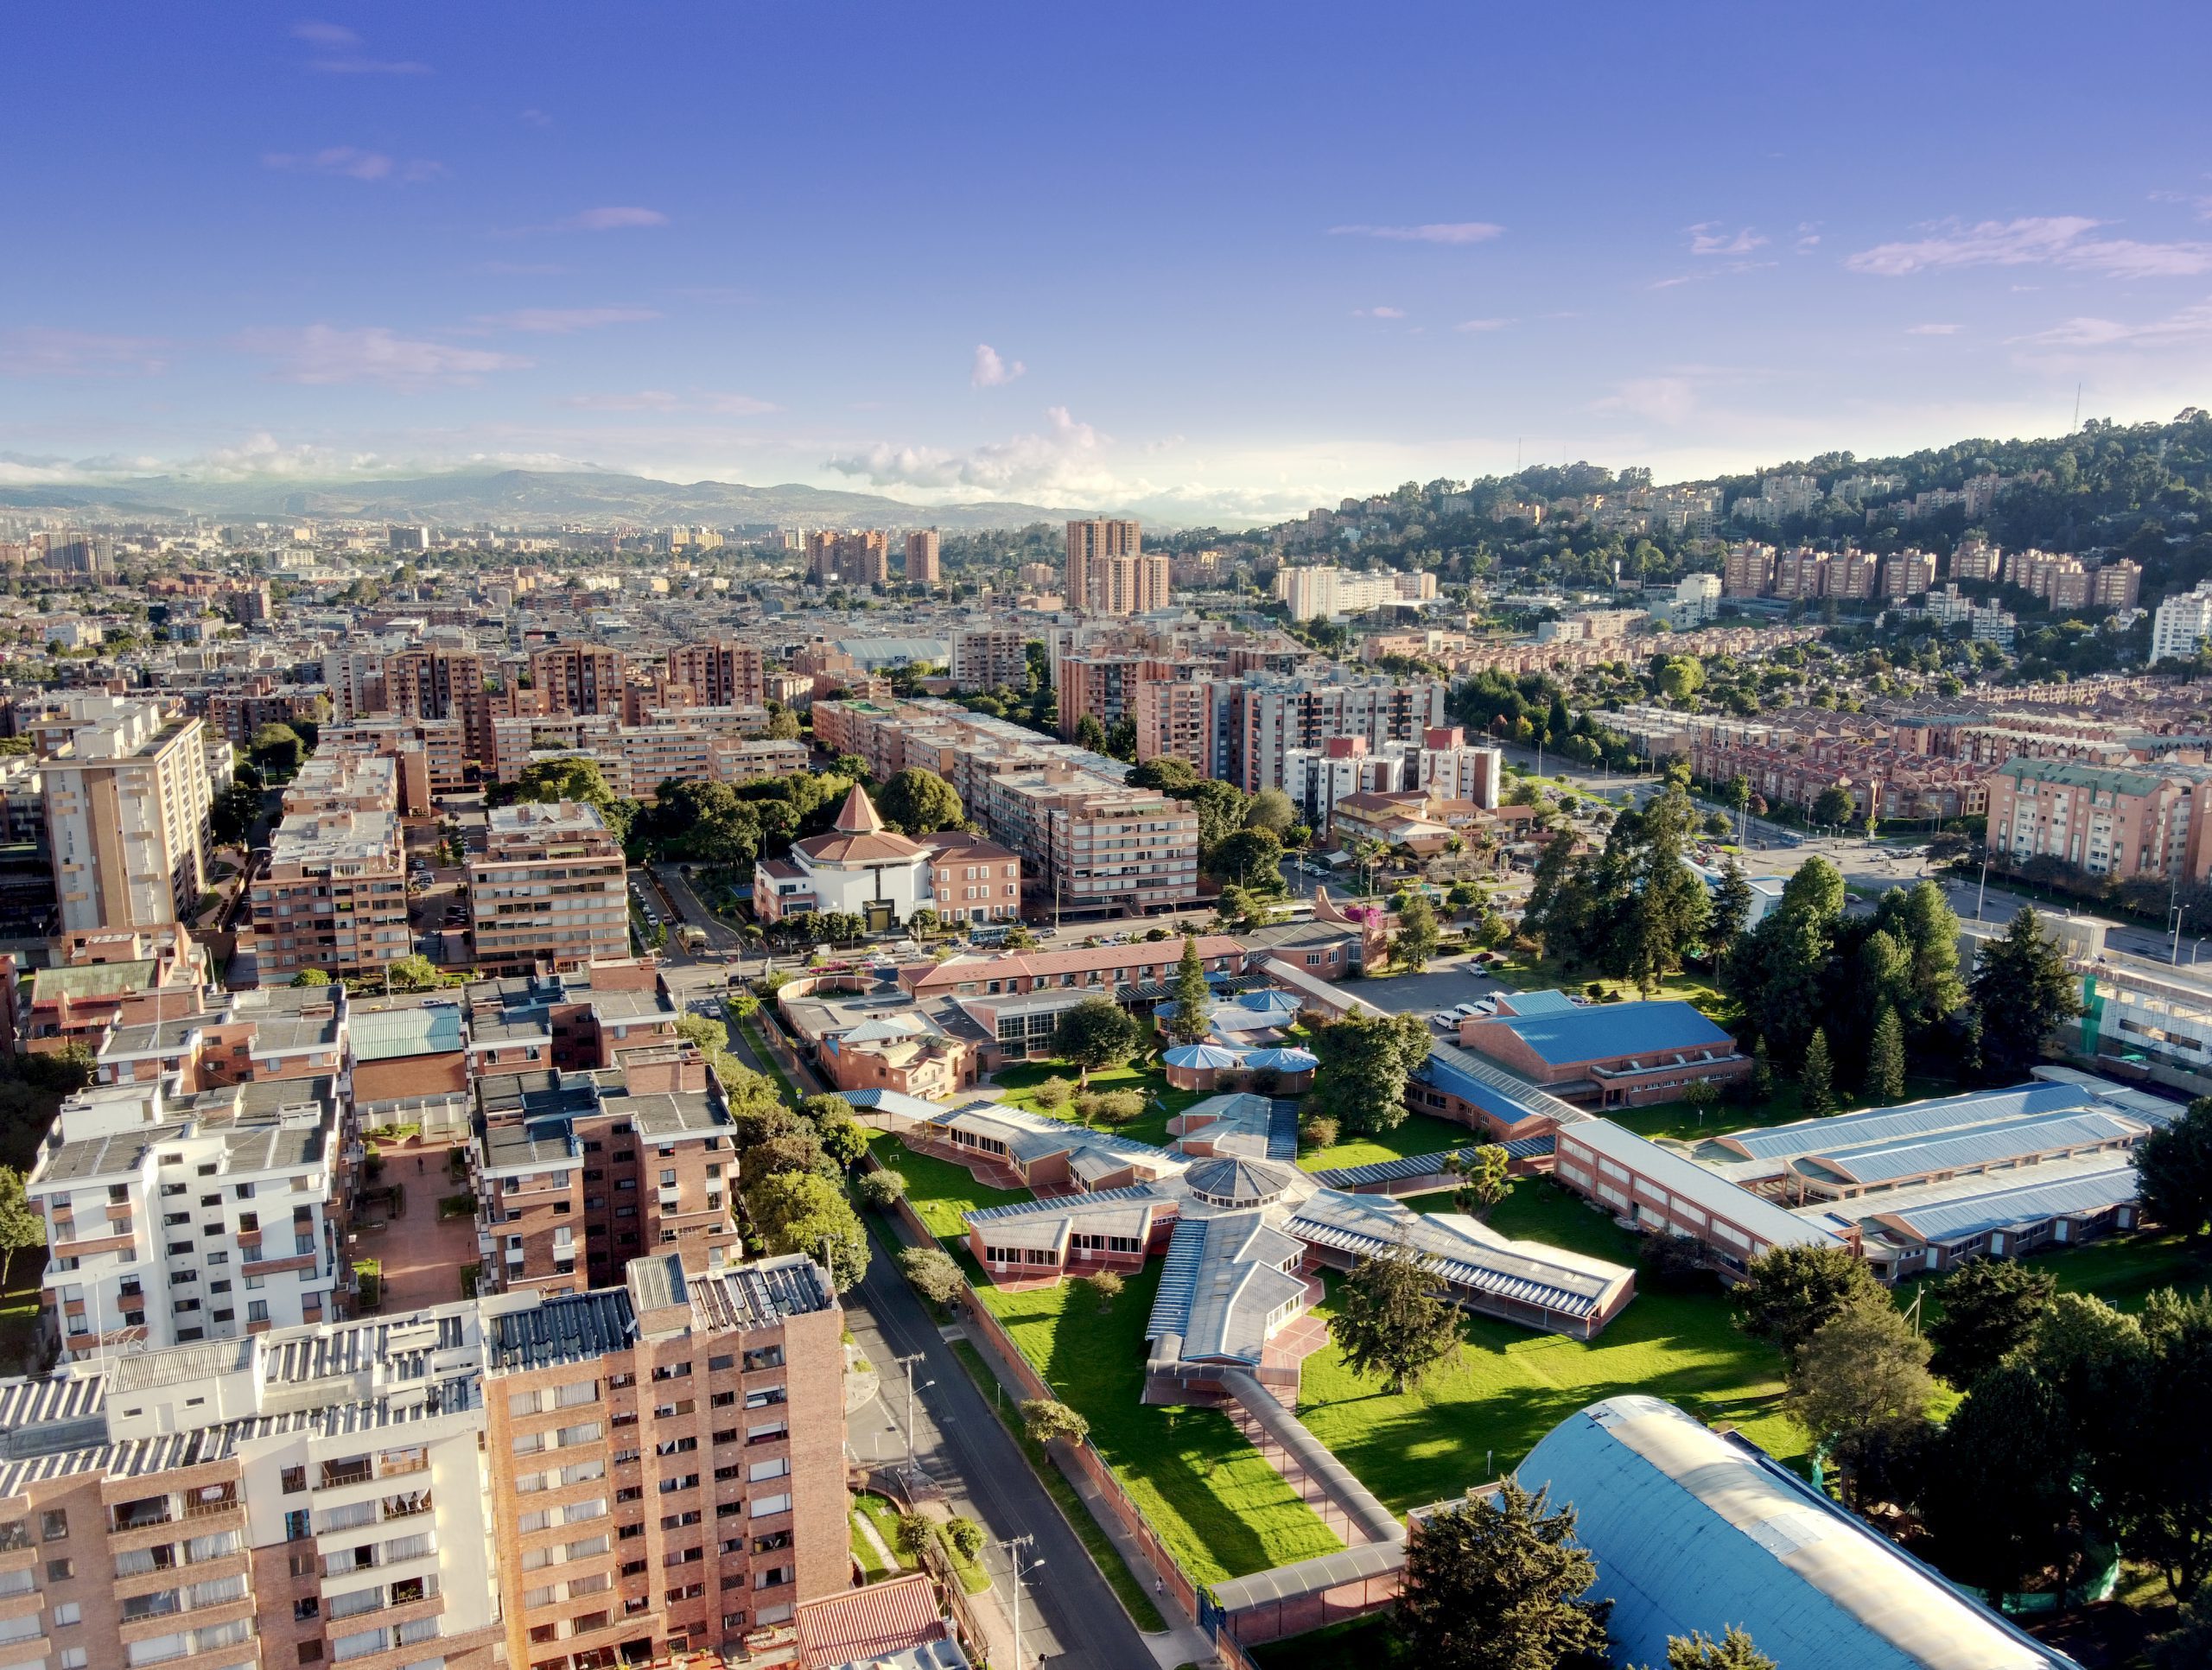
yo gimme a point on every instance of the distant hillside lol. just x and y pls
(523, 497)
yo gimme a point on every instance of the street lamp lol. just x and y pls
(1014, 1546)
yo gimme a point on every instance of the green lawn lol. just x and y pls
(1541, 976)
(1417, 1133)
(1511, 1386)
(1221, 1510)
(1367, 1643)
(1020, 1082)
(883, 1514)
(751, 1034)
(938, 1189)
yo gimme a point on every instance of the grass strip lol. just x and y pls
(1104, 1554)
(766, 1056)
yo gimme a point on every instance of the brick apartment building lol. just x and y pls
(579, 678)
(549, 888)
(719, 673)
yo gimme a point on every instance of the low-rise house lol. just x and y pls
(1045, 1153)
(1614, 1054)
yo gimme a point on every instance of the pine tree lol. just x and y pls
(1390, 1320)
(1731, 909)
(1495, 1584)
(1194, 1014)
(1886, 1059)
(2022, 990)
(1816, 1078)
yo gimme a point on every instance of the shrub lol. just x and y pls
(1054, 1094)
(1105, 1287)
(1265, 1081)
(1110, 1106)
(879, 1190)
(1677, 1264)
(933, 1274)
(1318, 1131)
(965, 1536)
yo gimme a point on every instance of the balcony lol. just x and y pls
(140, 1516)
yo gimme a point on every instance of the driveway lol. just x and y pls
(1442, 987)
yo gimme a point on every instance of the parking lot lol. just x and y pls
(1442, 988)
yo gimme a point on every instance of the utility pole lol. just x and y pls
(907, 1363)
(1014, 1548)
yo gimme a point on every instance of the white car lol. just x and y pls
(1485, 1007)
(1444, 1018)
(1469, 1011)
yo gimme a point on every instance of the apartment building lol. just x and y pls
(1103, 685)
(2119, 822)
(174, 1214)
(973, 879)
(1907, 574)
(921, 567)
(860, 557)
(1975, 558)
(96, 979)
(440, 683)
(578, 1173)
(235, 715)
(2116, 585)
(1270, 716)
(1091, 546)
(1096, 846)
(333, 897)
(2182, 623)
(635, 759)
(666, 1461)
(719, 674)
(127, 799)
(1181, 719)
(1748, 571)
(1316, 779)
(987, 658)
(549, 888)
(1317, 592)
(431, 754)
(579, 678)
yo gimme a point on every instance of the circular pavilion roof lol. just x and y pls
(1231, 1181)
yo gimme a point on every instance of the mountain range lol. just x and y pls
(521, 498)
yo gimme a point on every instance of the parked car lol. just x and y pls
(1444, 1018)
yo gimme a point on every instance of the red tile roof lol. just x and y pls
(867, 1624)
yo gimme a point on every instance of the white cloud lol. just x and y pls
(331, 36)
(2191, 326)
(37, 351)
(351, 163)
(2054, 240)
(325, 354)
(613, 219)
(661, 400)
(990, 372)
(1067, 461)
(354, 65)
(563, 321)
(1475, 325)
(1707, 238)
(1931, 330)
(1662, 399)
(1378, 313)
(1435, 231)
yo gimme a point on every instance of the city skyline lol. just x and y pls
(1240, 275)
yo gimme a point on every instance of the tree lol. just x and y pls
(1105, 1287)
(919, 802)
(703, 1032)
(801, 1212)
(1273, 810)
(1496, 1583)
(22, 1226)
(1250, 858)
(277, 749)
(1731, 910)
(1858, 1384)
(2154, 1477)
(2021, 990)
(1363, 1062)
(1090, 733)
(311, 977)
(1047, 1420)
(1733, 1651)
(1788, 1294)
(965, 1536)
(1416, 941)
(1778, 971)
(2188, 1646)
(1816, 1078)
(1834, 805)
(231, 816)
(912, 1532)
(1991, 1307)
(934, 1274)
(414, 973)
(1886, 1059)
(1654, 904)
(1244, 910)
(1194, 1014)
(1054, 1094)
(1098, 1033)
(1391, 1321)
(879, 1190)
(1485, 1179)
(2000, 1497)
(843, 1139)
(2173, 1170)
(1921, 919)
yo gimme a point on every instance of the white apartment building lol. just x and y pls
(1449, 767)
(2182, 623)
(127, 798)
(1317, 779)
(1318, 592)
(1270, 716)
(174, 1217)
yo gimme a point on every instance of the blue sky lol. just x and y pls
(1215, 262)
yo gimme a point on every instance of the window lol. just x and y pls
(72, 1658)
(54, 1524)
(302, 1610)
(311, 1652)
(295, 1479)
(61, 1570)
(68, 1612)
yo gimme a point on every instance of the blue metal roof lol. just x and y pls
(1980, 1144)
(2026, 1201)
(1807, 1136)
(1282, 1130)
(1541, 1003)
(1692, 1531)
(1443, 1074)
(1178, 1277)
(1606, 1030)
(1202, 1055)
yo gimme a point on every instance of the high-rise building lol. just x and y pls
(986, 658)
(1098, 848)
(127, 803)
(1091, 546)
(2117, 585)
(2182, 623)
(1749, 571)
(861, 558)
(579, 678)
(437, 683)
(1268, 716)
(334, 897)
(922, 557)
(549, 888)
(1908, 573)
(411, 542)
(720, 674)
(1312, 592)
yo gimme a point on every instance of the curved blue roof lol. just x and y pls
(1202, 1055)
